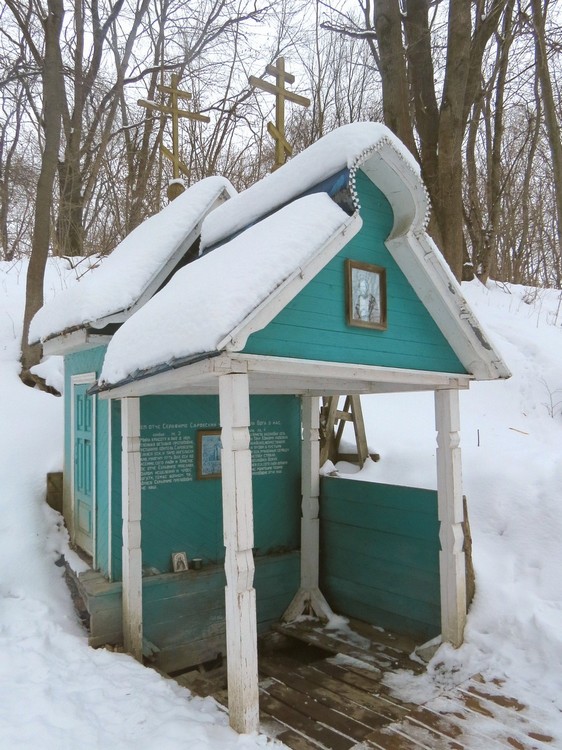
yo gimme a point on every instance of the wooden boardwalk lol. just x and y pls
(328, 694)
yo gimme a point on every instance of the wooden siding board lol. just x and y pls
(393, 548)
(367, 611)
(380, 554)
(380, 575)
(403, 498)
(313, 325)
(184, 613)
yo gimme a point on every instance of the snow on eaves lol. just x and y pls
(209, 298)
(122, 278)
(341, 148)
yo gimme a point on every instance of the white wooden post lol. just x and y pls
(238, 521)
(131, 512)
(450, 503)
(309, 599)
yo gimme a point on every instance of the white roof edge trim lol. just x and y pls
(75, 341)
(264, 313)
(427, 271)
(387, 168)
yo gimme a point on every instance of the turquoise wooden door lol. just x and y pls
(83, 468)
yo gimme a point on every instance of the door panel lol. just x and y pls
(83, 467)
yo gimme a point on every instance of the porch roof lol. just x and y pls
(275, 375)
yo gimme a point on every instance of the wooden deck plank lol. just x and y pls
(428, 737)
(326, 693)
(390, 738)
(457, 724)
(311, 632)
(295, 720)
(503, 718)
(390, 711)
(317, 711)
(334, 699)
(479, 724)
(362, 682)
(505, 709)
(297, 741)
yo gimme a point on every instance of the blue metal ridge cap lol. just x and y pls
(172, 364)
(337, 186)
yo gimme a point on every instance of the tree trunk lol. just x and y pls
(395, 95)
(550, 116)
(447, 200)
(52, 109)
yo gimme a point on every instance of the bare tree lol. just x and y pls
(49, 62)
(430, 62)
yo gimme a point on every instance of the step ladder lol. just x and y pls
(332, 424)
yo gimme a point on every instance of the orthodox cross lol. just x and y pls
(277, 131)
(172, 108)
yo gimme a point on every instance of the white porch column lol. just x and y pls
(451, 536)
(131, 512)
(309, 599)
(238, 521)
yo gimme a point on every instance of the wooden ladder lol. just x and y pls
(332, 424)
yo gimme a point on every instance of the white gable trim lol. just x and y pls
(424, 266)
(264, 313)
(427, 272)
(404, 190)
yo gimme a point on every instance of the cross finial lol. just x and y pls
(277, 131)
(172, 108)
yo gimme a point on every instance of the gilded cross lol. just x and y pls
(277, 131)
(172, 108)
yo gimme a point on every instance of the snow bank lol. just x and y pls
(56, 693)
(511, 438)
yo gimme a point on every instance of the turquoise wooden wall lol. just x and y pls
(184, 613)
(380, 554)
(313, 325)
(183, 513)
(75, 364)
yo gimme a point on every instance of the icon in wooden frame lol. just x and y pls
(365, 295)
(208, 454)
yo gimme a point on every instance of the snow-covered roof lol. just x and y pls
(261, 256)
(205, 304)
(136, 268)
(343, 148)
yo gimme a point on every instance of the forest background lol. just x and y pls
(472, 87)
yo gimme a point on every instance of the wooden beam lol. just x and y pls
(271, 88)
(309, 599)
(131, 512)
(451, 516)
(238, 523)
(288, 375)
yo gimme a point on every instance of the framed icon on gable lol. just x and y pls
(365, 295)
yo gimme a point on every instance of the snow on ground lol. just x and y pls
(57, 694)
(511, 441)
